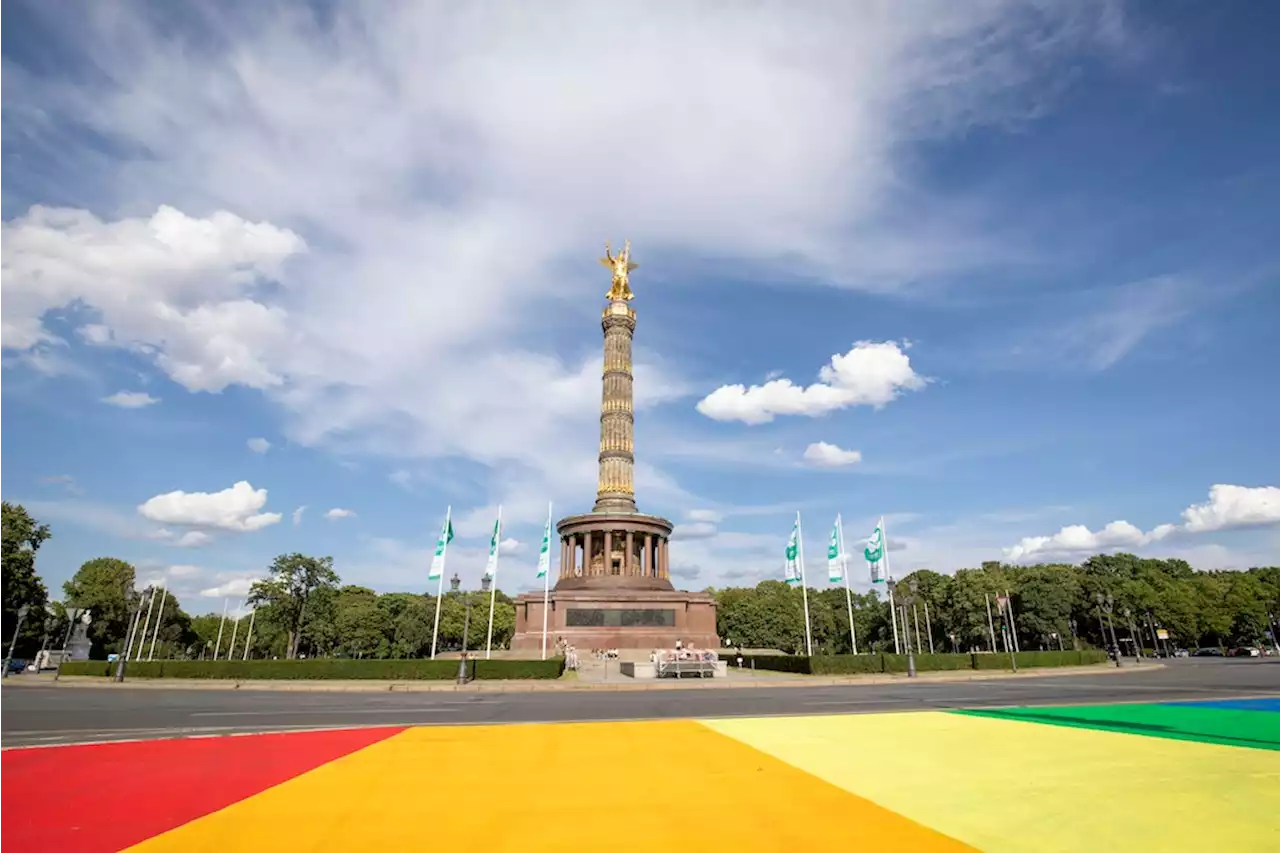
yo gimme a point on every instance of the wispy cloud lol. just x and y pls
(131, 399)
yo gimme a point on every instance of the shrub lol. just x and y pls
(774, 663)
(326, 668)
(846, 664)
(943, 662)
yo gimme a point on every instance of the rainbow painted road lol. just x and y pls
(1201, 776)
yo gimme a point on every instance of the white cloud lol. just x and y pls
(694, 530)
(193, 539)
(708, 515)
(297, 515)
(130, 399)
(870, 374)
(172, 286)
(236, 508)
(509, 546)
(1231, 507)
(1228, 507)
(400, 477)
(338, 512)
(823, 455)
(258, 445)
(184, 571)
(474, 162)
(235, 587)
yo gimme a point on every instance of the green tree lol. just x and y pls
(294, 580)
(22, 538)
(104, 585)
(364, 628)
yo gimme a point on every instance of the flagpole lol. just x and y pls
(848, 595)
(804, 587)
(146, 624)
(893, 605)
(546, 581)
(155, 634)
(249, 637)
(435, 630)
(218, 648)
(235, 629)
(493, 581)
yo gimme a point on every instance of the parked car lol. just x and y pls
(1245, 652)
(17, 665)
(1210, 652)
(1181, 653)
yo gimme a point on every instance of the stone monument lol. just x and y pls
(614, 587)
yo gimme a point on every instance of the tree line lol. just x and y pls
(1053, 605)
(301, 608)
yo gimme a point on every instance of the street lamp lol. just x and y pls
(905, 601)
(1133, 635)
(454, 584)
(22, 615)
(1107, 603)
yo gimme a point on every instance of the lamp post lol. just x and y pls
(904, 602)
(1107, 603)
(1133, 635)
(8, 659)
(454, 584)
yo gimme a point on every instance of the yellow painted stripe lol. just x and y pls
(1015, 787)
(651, 787)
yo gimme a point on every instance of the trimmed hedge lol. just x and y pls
(1031, 660)
(325, 668)
(882, 663)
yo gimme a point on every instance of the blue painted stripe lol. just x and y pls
(1269, 704)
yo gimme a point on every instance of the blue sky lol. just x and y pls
(1039, 240)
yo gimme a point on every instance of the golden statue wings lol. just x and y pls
(621, 265)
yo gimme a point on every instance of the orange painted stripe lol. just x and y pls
(659, 786)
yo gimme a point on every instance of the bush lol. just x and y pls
(775, 663)
(846, 664)
(326, 668)
(943, 662)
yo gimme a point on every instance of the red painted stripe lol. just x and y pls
(105, 797)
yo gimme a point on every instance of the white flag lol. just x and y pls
(491, 568)
(792, 570)
(874, 552)
(544, 555)
(835, 560)
(442, 545)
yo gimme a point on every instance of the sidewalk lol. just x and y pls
(613, 681)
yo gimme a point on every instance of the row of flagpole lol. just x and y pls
(134, 653)
(436, 573)
(876, 553)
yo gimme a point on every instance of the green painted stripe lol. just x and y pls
(1179, 722)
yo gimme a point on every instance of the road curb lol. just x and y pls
(730, 683)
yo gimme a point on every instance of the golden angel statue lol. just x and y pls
(621, 265)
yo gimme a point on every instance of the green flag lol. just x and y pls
(544, 555)
(792, 570)
(835, 563)
(874, 552)
(491, 568)
(442, 545)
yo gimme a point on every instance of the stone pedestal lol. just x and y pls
(616, 619)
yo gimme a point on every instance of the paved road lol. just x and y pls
(48, 715)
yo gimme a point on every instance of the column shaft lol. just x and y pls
(606, 567)
(626, 562)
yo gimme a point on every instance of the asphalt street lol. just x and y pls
(46, 715)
